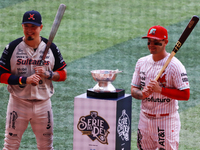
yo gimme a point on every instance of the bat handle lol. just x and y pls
(41, 64)
(33, 84)
(165, 65)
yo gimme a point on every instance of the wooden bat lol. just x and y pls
(179, 43)
(54, 29)
(52, 34)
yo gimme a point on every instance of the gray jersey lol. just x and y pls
(20, 59)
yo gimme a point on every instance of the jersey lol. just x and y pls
(20, 59)
(174, 76)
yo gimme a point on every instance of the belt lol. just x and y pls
(156, 115)
(34, 100)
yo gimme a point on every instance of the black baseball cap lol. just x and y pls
(32, 17)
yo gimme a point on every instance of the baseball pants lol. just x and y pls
(19, 113)
(158, 133)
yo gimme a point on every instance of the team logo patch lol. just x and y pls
(94, 126)
(13, 118)
(49, 120)
(12, 134)
(152, 31)
(162, 80)
(31, 17)
(123, 126)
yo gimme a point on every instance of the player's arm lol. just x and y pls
(58, 75)
(169, 92)
(176, 94)
(7, 78)
(140, 94)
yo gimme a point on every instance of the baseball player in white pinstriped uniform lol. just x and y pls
(159, 123)
(19, 69)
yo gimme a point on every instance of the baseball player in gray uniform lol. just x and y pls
(19, 69)
(159, 123)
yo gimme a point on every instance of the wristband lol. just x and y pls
(50, 75)
(62, 74)
(20, 80)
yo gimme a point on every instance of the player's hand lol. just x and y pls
(154, 85)
(33, 79)
(40, 70)
(146, 92)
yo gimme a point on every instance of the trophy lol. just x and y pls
(104, 87)
(104, 79)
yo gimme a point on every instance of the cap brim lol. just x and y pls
(37, 24)
(151, 37)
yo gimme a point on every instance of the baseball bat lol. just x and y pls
(53, 32)
(179, 43)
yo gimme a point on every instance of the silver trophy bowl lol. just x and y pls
(104, 79)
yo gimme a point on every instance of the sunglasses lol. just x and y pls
(155, 43)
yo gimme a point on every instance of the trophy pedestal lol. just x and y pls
(102, 124)
(118, 93)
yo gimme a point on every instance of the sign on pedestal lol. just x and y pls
(102, 124)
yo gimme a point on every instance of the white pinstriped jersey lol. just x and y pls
(19, 59)
(174, 76)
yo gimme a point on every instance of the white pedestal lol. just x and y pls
(102, 124)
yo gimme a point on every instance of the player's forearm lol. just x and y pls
(57, 75)
(136, 93)
(176, 94)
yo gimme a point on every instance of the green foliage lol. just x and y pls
(105, 34)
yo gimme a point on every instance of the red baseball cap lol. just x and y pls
(157, 32)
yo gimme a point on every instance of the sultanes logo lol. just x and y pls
(94, 126)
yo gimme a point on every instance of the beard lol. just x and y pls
(29, 38)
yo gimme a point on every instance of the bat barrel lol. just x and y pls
(186, 33)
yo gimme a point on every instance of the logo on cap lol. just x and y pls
(31, 17)
(152, 31)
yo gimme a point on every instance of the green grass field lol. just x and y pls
(106, 34)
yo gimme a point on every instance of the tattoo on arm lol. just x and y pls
(136, 93)
(56, 76)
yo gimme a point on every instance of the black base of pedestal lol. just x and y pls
(117, 94)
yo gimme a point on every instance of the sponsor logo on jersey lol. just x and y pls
(21, 52)
(161, 137)
(94, 126)
(21, 71)
(184, 77)
(123, 126)
(31, 62)
(142, 77)
(160, 100)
